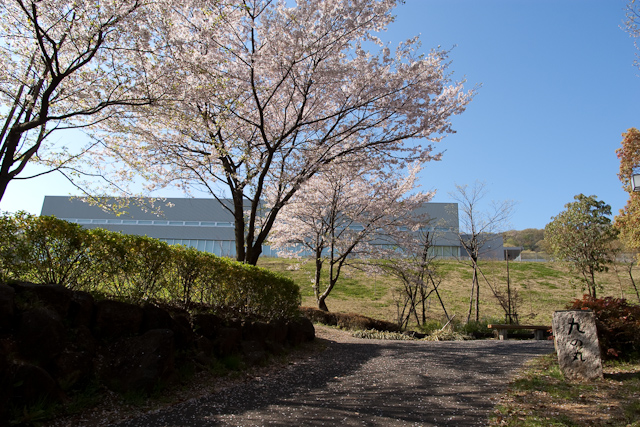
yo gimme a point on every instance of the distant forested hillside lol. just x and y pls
(530, 239)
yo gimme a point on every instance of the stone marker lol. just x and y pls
(576, 342)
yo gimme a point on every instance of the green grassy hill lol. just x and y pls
(542, 287)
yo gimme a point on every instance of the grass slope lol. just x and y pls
(542, 287)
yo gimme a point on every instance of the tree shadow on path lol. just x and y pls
(372, 383)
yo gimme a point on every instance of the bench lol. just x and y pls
(538, 330)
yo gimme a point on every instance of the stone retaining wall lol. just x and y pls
(54, 340)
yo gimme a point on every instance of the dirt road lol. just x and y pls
(356, 382)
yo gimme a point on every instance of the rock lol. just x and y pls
(205, 345)
(300, 330)
(41, 334)
(5, 389)
(83, 340)
(227, 341)
(7, 300)
(116, 319)
(155, 317)
(207, 324)
(9, 347)
(204, 352)
(271, 335)
(257, 331)
(234, 323)
(81, 309)
(280, 331)
(139, 363)
(576, 341)
(181, 327)
(73, 369)
(56, 297)
(4, 359)
(29, 384)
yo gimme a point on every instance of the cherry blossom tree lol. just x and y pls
(339, 216)
(632, 25)
(69, 64)
(277, 93)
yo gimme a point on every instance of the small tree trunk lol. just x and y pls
(473, 284)
(254, 254)
(4, 182)
(316, 282)
(423, 296)
(316, 279)
(435, 288)
(322, 305)
(239, 230)
(475, 277)
(509, 305)
(633, 282)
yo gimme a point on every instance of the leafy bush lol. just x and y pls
(47, 250)
(447, 335)
(10, 240)
(185, 284)
(431, 325)
(481, 327)
(319, 316)
(44, 249)
(618, 324)
(131, 267)
(250, 291)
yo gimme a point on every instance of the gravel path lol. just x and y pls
(356, 382)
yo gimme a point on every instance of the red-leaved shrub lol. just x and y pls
(618, 324)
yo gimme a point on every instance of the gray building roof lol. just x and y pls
(183, 218)
(183, 209)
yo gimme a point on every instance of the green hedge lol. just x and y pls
(48, 250)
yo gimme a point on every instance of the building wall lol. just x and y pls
(198, 223)
(207, 225)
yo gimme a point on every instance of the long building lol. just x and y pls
(204, 224)
(207, 225)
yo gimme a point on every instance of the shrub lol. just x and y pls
(45, 250)
(184, 283)
(10, 257)
(478, 328)
(447, 335)
(130, 267)
(618, 324)
(432, 325)
(353, 321)
(348, 320)
(249, 291)
(319, 316)
(48, 250)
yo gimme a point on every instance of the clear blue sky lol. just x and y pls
(558, 89)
